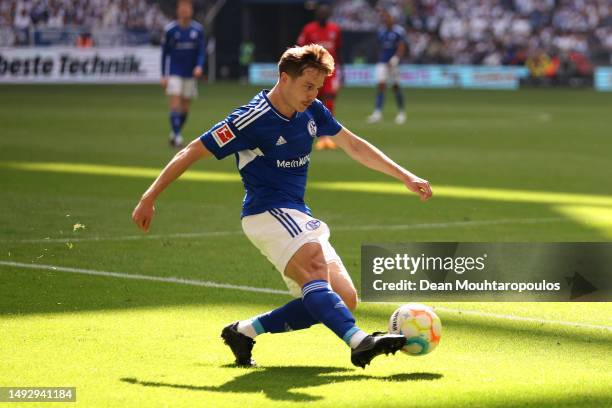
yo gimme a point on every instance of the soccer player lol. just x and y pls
(325, 33)
(392, 43)
(182, 63)
(271, 138)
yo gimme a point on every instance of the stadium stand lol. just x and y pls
(559, 41)
(494, 32)
(63, 22)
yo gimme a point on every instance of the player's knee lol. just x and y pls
(316, 269)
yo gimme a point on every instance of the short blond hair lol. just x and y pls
(297, 59)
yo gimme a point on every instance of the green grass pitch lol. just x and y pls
(126, 342)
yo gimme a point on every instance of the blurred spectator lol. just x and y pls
(247, 52)
(84, 40)
(355, 15)
(56, 17)
(22, 24)
(540, 65)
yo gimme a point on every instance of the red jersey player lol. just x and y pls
(326, 34)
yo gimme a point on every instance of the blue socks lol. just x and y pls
(399, 98)
(318, 304)
(380, 99)
(292, 316)
(327, 307)
(175, 122)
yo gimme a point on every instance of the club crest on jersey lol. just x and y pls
(312, 128)
(223, 135)
(193, 34)
(313, 225)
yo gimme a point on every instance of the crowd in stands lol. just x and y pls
(542, 34)
(355, 15)
(83, 16)
(547, 36)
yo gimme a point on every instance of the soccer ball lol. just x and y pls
(420, 325)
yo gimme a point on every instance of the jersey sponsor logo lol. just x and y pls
(313, 225)
(290, 164)
(223, 135)
(312, 128)
(281, 141)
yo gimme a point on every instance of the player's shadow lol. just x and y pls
(280, 383)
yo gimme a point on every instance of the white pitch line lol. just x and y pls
(210, 284)
(522, 319)
(191, 282)
(433, 225)
(128, 237)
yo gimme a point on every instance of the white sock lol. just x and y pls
(357, 338)
(246, 327)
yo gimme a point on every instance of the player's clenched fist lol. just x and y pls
(419, 186)
(143, 214)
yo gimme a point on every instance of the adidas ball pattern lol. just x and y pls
(420, 325)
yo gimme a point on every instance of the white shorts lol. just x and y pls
(385, 72)
(279, 233)
(183, 87)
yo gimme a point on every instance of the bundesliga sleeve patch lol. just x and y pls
(223, 135)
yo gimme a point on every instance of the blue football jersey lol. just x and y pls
(182, 49)
(272, 151)
(389, 40)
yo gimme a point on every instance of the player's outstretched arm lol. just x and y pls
(370, 156)
(143, 213)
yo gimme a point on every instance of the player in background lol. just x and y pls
(271, 140)
(182, 63)
(327, 34)
(392, 43)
